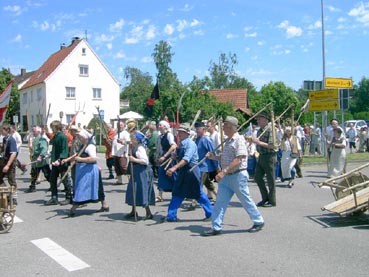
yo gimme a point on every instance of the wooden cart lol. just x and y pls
(7, 209)
(351, 192)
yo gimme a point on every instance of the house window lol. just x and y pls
(69, 117)
(24, 98)
(39, 94)
(83, 70)
(31, 96)
(70, 92)
(83, 51)
(96, 93)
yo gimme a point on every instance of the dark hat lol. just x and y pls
(199, 124)
(184, 127)
(264, 114)
(231, 120)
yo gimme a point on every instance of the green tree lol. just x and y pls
(13, 108)
(280, 95)
(138, 89)
(360, 97)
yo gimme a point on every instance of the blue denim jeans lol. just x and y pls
(229, 185)
(176, 202)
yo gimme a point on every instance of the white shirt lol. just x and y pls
(18, 140)
(121, 149)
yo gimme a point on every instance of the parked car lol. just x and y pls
(358, 124)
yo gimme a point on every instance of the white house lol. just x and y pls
(72, 81)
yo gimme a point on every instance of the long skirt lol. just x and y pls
(337, 162)
(166, 183)
(86, 186)
(287, 165)
(143, 185)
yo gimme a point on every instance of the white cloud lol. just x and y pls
(198, 32)
(44, 26)
(333, 9)
(117, 26)
(251, 35)
(169, 29)
(181, 25)
(109, 45)
(260, 43)
(146, 59)
(135, 35)
(361, 13)
(151, 32)
(231, 36)
(291, 31)
(18, 38)
(194, 23)
(186, 8)
(317, 25)
(119, 55)
(13, 9)
(104, 38)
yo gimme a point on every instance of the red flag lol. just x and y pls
(4, 101)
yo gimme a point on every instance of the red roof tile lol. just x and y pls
(236, 97)
(50, 65)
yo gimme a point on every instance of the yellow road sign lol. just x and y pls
(323, 94)
(338, 82)
(325, 105)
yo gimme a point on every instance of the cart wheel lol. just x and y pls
(6, 221)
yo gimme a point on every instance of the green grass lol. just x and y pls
(357, 157)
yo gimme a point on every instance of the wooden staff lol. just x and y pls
(223, 142)
(47, 115)
(273, 125)
(220, 127)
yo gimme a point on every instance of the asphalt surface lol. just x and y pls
(298, 239)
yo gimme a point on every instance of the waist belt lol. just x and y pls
(237, 171)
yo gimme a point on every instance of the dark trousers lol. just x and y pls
(109, 164)
(10, 174)
(35, 171)
(57, 171)
(265, 167)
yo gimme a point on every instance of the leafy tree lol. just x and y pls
(13, 108)
(222, 73)
(361, 97)
(280, 95)
(138, 90)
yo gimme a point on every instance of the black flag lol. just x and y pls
(150, 102)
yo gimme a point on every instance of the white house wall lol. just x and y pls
(67, 75)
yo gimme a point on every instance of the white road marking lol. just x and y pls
(60, 255)
(17, 219)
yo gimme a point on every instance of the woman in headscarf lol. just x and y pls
(337, 159)
(166, 147)
(291, 150)
(141, 179)
(88, 185)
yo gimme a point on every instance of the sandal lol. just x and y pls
(158, 199)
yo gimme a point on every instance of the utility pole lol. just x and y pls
(324, 113)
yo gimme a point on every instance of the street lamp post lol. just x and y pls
(324, 113)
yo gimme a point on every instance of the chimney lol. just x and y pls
(62, 46)
(23, 71)
(74, 39)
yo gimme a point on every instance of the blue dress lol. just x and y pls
(143, 180)
(165, 183)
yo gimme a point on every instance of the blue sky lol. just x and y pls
(274, 40)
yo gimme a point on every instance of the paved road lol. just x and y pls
(298, 239)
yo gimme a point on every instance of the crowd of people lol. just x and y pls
(207, 165)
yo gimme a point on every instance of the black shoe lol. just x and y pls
(165, 219)
(52, 201)
(111, 177)
(24, 170)
(102, 209)
(256, 228)
(261, 203)
(30, 189)
(15, 202)
(211, 232)
(149, 216)
(268, 205)
(130, 215)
